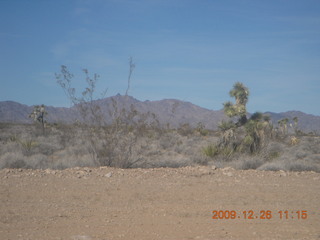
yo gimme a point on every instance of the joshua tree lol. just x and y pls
(295, 124)
(246, 135)
(227, 132)
(38, 115)
(257, 129)
(283, 125)
(241, 94)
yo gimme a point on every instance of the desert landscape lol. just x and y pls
(159, 183)
(159, 120)
(133, 177)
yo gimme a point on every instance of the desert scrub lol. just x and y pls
(12, 160)
(201, 129)
(273, 155)
(28, 145)
(211, 150)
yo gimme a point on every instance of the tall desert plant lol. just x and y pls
(38, 115)
(258, 130)
(245, 135)
(283, 125)
(295, 125)
(241, 95)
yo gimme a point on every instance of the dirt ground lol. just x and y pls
(164, 203)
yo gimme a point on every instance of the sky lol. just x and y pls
(191, 50)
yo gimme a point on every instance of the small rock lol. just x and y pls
(108, 174)
(282, 173)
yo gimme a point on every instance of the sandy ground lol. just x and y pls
(172, 204)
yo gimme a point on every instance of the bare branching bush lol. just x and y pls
(117, 144)
(113, 136)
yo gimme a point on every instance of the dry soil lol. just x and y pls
(172, 204)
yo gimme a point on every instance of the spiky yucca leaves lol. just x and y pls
(258, 130)
(28, 145)
(211, 150)
(229, 109)
(224, 126)
(241, 94)
(227, 132)
(254, 137)
(249, 138)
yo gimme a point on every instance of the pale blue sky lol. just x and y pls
(192, 50)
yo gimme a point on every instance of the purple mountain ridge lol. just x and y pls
(172, 111)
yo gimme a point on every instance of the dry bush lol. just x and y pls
(297, 166)
(113, 142)
(12, 160)
(185, 129)
(272, 166)
(303, 156)
(10, 146)
(66, 146)
(302, 166)
(247, 162)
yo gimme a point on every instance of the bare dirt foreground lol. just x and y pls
(107, 203)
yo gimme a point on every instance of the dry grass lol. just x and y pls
(66, 146)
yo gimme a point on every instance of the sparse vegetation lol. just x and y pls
(245, 142)
(126, 138)
(66, 146)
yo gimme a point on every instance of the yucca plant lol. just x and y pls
(241, 95)
(38, 115)
(283, 125)
(28, 145)
(257, 129)
(211, 150)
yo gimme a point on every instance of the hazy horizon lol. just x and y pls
(221, 109)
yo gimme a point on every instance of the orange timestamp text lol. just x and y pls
(260, 214)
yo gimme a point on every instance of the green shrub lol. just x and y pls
(211, 151)
(273, 155)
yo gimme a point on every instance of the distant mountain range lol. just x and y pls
(172, 111)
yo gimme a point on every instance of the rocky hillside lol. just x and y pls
(172, 111)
